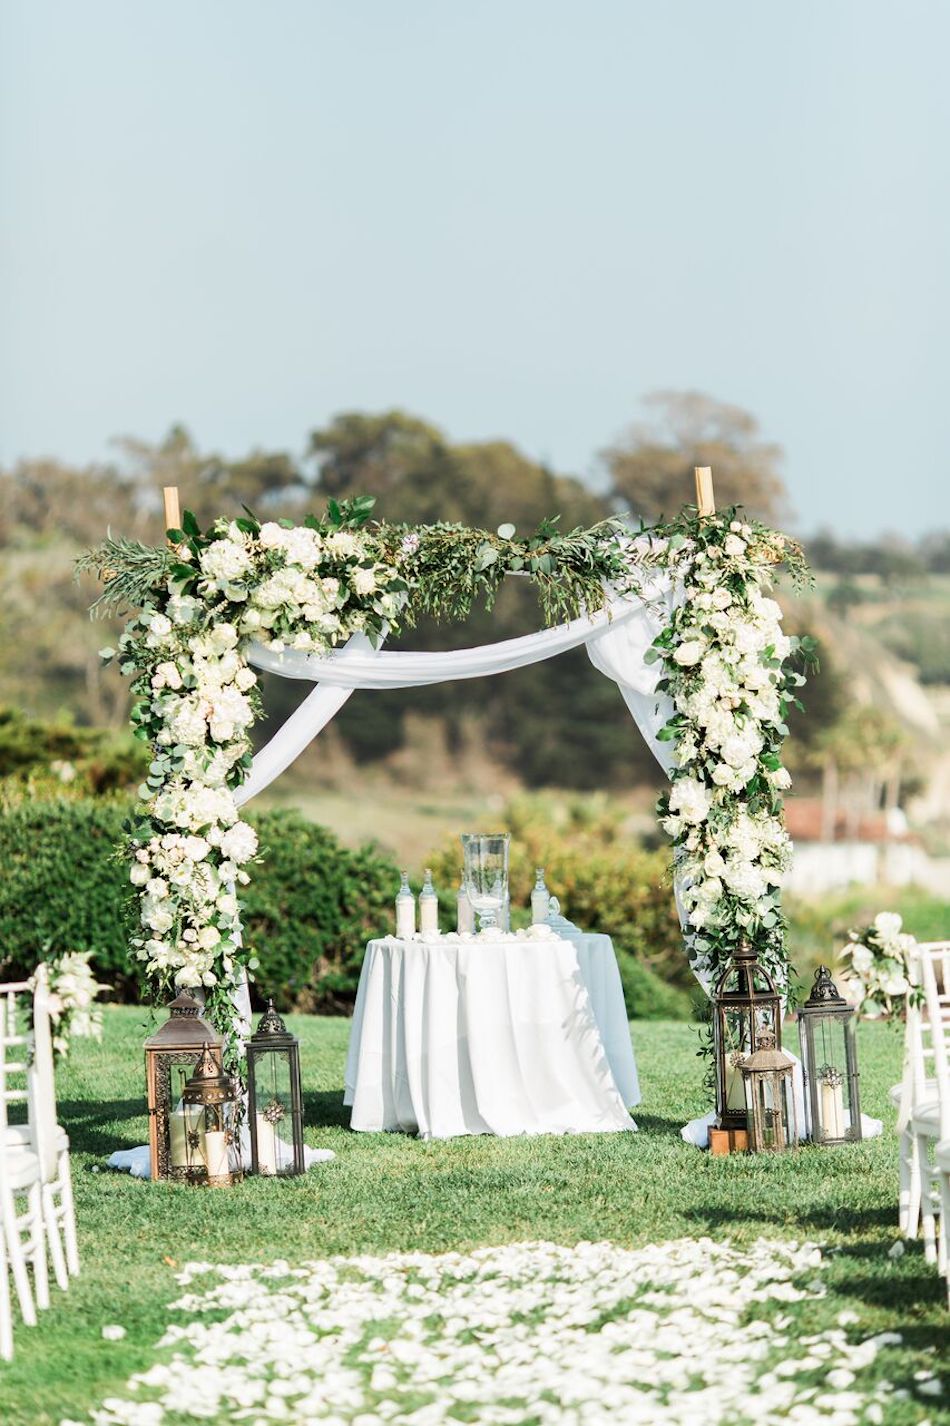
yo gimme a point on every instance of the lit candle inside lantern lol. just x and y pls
(181, 1122)
(266, 1145)
(832, 1110)
(216, 1153)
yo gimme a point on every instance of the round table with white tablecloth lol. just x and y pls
(521, 1033)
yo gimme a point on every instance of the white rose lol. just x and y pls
(861, 958)
(221, 730)
(895, 984)
(223, 638)
(166, 675)
(239, 843)
(689, 653)
(342, 544)
(156, 887)
(733, 546)
(224, 561)
(691, 799)
(888, 924)
(302, 547)
(363, 580)
(160, 626)
(208, 937)
(251, 620)
(139, 875)
(245, 678)
(271, 536)
(196, 848)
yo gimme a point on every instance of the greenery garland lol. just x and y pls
(726, 666)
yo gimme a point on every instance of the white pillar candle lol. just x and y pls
(405, 918)
(735, 1089)
(177, 1134)
(428, 914)
(832, 1110)
(266, 1145)
(216, 1153)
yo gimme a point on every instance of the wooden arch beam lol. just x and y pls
(705, 498)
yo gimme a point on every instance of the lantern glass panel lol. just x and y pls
(826, 1025)
(275, 1101)
(273, 1110)
(746, 1008)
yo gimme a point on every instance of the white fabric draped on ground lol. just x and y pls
(478, 1035)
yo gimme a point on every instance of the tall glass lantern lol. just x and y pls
(171, 1056)
(746, 1006)
(208, 1103)
(771, 1121)
(826, 1027)
(274, 1097)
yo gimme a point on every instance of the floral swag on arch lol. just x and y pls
(725, 664)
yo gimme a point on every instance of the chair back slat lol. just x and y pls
(934, 962)
(16, 1046)
(41, 1079)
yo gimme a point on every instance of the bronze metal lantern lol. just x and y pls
(826, 1028)
(208, 1104)
(746, 1006)
(771, 1120)
(274, 1098)
(171, 1055)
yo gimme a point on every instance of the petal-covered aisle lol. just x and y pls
(684, 1333)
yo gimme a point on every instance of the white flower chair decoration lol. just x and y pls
(930, 1119)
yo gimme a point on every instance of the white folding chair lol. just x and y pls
(22, 1235)
(49, 1141)
(930, 1119)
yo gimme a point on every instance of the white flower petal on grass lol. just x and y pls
(113, 1332)
(659, 1336)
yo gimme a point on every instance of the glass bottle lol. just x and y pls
(540, 898)
(405, 910)
(428, 905)
(465, 916)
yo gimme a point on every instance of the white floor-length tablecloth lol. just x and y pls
(490, 1035)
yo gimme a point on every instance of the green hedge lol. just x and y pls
(310, 909)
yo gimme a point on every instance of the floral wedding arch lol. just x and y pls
(678, 615)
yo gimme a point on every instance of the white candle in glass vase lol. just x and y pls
(183, 1121)
(266, 1145)
(832, 1110)
(216, 1153)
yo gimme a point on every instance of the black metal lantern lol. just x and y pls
(274, 1097)
(746, 1006)
(771, 1120)
(826, 1028)
(171, 1055)
(207, 1102)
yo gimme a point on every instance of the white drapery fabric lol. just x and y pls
(617, 639)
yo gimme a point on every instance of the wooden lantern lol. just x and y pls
(171, 1057)
(746, 1005)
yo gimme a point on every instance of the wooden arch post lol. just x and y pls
(705, 499)
(172, 507)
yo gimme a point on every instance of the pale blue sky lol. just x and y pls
(512, 217)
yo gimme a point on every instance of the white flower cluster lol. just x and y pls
(878, 959)
(73, 989)
(723, 654)
(298, 588)
(562, 1336)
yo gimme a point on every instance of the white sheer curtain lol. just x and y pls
(617, 639)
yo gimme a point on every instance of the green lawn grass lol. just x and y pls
(388, 1192)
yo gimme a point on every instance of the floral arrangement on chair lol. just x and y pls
(877, 958)
(73, 989)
